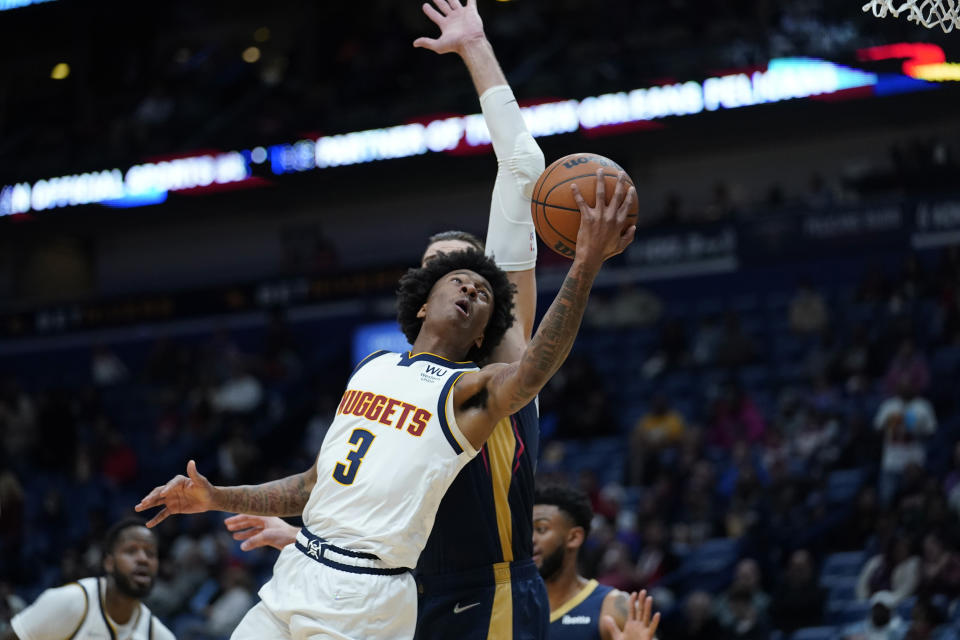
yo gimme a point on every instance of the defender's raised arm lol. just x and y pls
(482, 398)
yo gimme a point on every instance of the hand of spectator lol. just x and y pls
(192, 493)
(261, 531)
(640, 625)
(459, 25)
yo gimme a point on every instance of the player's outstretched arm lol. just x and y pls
(261, 531)
(506, 388)
(461, 32)
(511, 238)
(193, 493)
(641, 622)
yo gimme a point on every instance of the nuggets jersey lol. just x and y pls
(486, 516)
(389, 456)
(93, 622)
(579, 617)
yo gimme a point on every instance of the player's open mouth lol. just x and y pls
(464, 306)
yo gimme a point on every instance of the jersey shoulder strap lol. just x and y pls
(86, 609)
(372, 356)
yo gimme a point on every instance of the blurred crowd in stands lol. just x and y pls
(762, 463)
(182, 85)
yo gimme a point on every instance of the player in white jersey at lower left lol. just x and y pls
(107, 608)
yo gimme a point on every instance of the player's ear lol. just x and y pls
(575, 537)
(478, 342)
(422, 313)
(108, 563)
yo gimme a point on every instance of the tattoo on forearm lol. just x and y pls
(553, 339)
(284, 497)
(620, 606)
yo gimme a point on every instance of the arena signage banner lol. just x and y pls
(150, 182)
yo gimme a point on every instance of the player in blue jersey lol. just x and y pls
(578, 607)
(476, 578)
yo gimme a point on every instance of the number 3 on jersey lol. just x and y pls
(341, 472)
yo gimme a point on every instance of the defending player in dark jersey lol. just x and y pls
(561, 523)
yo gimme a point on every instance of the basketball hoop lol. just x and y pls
(927, 13)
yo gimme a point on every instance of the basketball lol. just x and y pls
(555, 212)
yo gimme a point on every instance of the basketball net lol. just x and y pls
(928, 13)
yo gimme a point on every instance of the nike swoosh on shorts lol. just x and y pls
(458, 609)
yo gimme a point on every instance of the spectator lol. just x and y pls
(671, 350)
(824, 358)
(906, 421)
(734, 348)
(924, 617)
(119, 463)
(660, 428)
(237, 454)
(883, 623)
(745, 600)
(808, 311)
(861, 523)
(18, 419)
(895, 572)
(10, 605)
(735, 418)
(106, 369)
(280, 359)
(13, 510)
(656, 560)
(219, 356)
(859, 445)
(856, 361)
(630, 307)
(907, 369)
(941, 568)
(951, 484)
(747, 621)
(697, 622)
(616, 569)
(706, 342)
(227, 607)
(240, 393)
(798, 600)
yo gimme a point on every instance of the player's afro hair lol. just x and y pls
(416, 284)
(569, 500)
(113, 533)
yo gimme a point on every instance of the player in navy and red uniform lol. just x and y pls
(561, 523)
(476, 578)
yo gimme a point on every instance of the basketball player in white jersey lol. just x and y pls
(107, 608)
(405, 427)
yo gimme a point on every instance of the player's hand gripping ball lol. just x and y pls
(555, 212)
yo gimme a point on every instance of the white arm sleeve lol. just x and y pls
(511, 239)
(55, 615)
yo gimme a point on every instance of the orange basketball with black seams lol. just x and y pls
(555, 212)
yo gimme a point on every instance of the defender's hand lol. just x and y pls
(192, 493)
(640, 625)
(459, 25)
(261, 531)
(602, 233)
